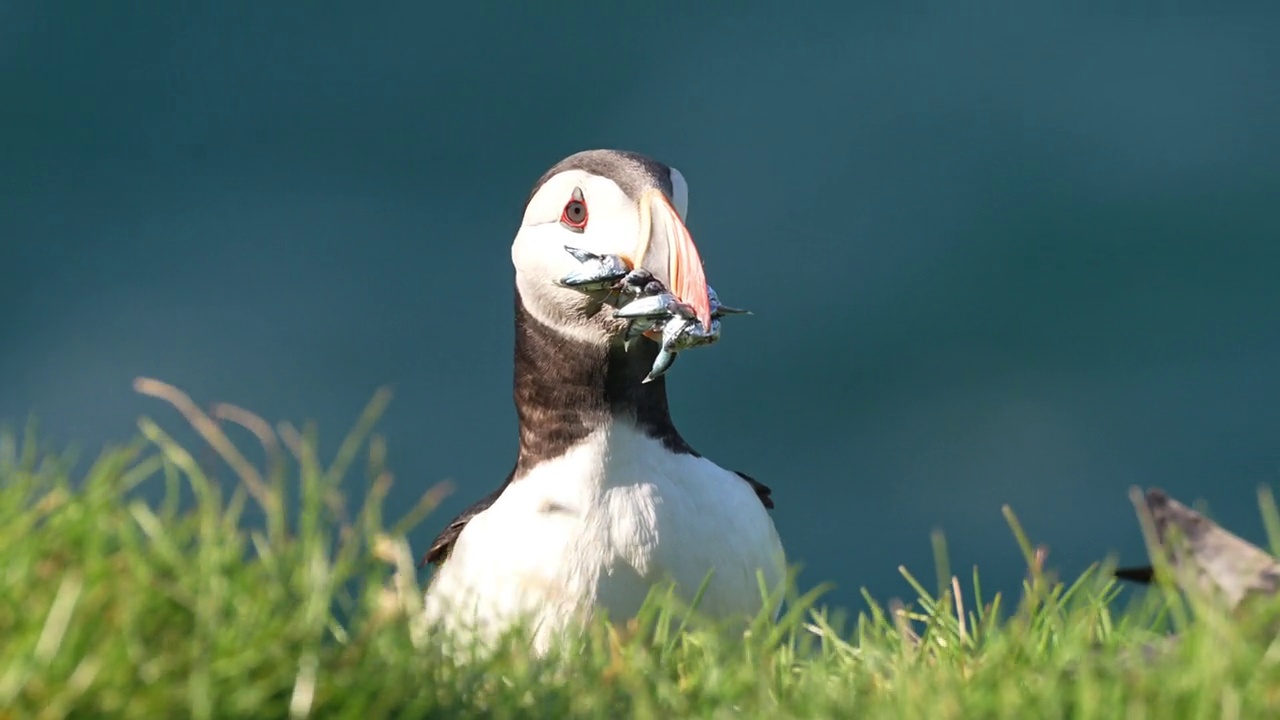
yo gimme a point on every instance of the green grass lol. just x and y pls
(115, 607)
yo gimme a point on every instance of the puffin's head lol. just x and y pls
(607, 202)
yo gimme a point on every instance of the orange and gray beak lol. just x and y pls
(666, 249)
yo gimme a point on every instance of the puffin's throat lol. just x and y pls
(566, 388)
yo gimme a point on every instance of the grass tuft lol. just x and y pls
(141, 588)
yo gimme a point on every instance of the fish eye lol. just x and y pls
(574, 215)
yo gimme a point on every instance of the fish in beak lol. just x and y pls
(660, 288)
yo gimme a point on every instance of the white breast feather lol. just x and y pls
(595, 529)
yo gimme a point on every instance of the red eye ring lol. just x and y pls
(574, 215)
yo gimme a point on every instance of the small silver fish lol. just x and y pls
(654, 307)
(643, 300)
(671, 331)
(635, 329)
(598, 272)
(695, 335)
(718, 310)
(679, 334)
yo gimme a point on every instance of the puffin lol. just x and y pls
(606, 499)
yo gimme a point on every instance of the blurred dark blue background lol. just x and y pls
(998, 252)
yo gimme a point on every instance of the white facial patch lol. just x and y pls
(539, 256)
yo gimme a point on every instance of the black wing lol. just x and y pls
(443, 544)
(1143, 575)
(762, 491)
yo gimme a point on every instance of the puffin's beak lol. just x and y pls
(666, 249)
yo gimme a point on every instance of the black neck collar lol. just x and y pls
(566, 388)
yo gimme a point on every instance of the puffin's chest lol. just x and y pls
(599, 526)
(622, 504)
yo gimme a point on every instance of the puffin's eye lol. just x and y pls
(574, 216)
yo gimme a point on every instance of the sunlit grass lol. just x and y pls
(111, 606)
